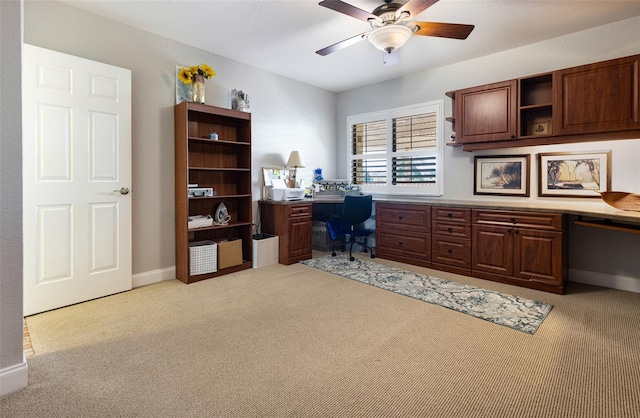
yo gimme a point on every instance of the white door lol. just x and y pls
(76, 175)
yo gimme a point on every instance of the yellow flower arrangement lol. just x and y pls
(186, 74)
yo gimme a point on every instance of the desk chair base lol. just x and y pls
(354, 240)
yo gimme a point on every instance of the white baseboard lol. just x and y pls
(630, 284)
(14, 378)
(153, 276)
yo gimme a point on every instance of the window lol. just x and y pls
(398, 151)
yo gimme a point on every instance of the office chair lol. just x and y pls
(356, 210)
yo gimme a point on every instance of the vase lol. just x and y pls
(197, 89)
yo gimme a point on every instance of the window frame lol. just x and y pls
(388, 115)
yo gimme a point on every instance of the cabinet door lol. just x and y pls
(538, 256)
(487, 113)
(300, 237)
(601, 97)
(492, 249)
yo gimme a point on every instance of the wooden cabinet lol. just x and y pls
(403, 233)
(523, 248)
(486, 113)
(600, 97)
(223, 165)
(451, 239)
(598, 101)
(293, 225)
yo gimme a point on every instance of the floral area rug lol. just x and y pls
(515, 312)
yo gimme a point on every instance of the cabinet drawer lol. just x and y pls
(404, 245)
(452, 251)
(415, 218)
(547, 221)
(451, 229)
(450, 214)
(300, 211)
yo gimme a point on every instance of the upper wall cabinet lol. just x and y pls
(486, 113)
(600, 97)
(592, 102)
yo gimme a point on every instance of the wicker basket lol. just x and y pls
(203, 257)
(622, 200)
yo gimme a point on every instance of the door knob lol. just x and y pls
(123, 190)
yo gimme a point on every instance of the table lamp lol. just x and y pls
(295, 161)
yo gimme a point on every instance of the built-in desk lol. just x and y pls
(523, 228)
(292, 221)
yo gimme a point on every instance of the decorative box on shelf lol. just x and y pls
(203, 257)
(200, 221)
(229, 253)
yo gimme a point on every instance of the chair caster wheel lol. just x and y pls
(333, 254)
(351, 258)
(373, 255)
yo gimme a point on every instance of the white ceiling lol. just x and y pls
(282, 36)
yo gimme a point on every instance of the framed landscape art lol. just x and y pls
(506, 175)
(574, 174)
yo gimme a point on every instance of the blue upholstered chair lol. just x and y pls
(356, 210)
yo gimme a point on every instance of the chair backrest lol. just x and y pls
(356, 209)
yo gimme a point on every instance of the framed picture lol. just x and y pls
(574, 174)
(269, 174)
(506, 175)
(539, 126)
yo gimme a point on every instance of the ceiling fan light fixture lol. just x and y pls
(390, 37)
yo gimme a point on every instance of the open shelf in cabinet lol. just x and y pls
(535, 106)
(452, 120)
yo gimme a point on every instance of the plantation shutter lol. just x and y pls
(369, 138)
(398, 151)
(416, 136)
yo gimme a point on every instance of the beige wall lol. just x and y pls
(12, 368)
(605, 258)
(286, 114)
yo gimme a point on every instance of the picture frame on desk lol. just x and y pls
(574, 174)
(268, 175)
(502, 175)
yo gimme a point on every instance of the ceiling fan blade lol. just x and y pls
(342, 7)
(443, 30)
(342, 44)
(415, 7)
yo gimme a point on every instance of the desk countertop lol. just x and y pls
(596, 208)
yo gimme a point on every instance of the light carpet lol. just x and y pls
(515, 312)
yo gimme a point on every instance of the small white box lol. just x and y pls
(199, 221)
(200, 192)
(203, 257)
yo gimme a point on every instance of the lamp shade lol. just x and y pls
(295, 160)
(390, 37)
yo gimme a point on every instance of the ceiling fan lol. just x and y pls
(391, 25)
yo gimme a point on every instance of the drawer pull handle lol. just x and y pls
(400, 244)
(513, 220)
(450, 230)
(449, 250)
(449, 214)
(400, 217)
